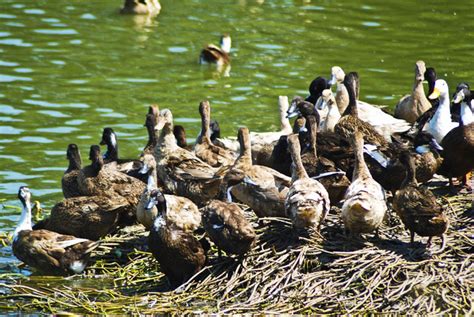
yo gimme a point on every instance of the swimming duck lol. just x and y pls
(151, 7)
(333, 115)
(69, 179)
(267, 192)
(89, 217)
(99, 180)
(45, 250)
(204, 148)
(411, 107)
(127, 166)
(180, 170)
(316, 165)
(259, 140)
(417, 207)
(178, 252)
(364, 207)
(307, 202)
(441, 122)
(182, 212)
(225, 222)
(458, 144)
(219, 55)
(384, 123)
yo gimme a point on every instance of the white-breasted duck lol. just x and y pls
(48, 251)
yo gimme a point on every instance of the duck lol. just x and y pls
(333, 179)
(384, 123)
(180, 134)
(182, 212)
(151, 120)
(458, 144)
(127, 166)
(440, 124)
(47, 251)
(204, 148)
(307, 202)
(141, 7)
(411, 107)
(350, 121)
(364, 207)
(260, 140)
(417, 207)
(266, 194)
(180, 171)
(69, 179)
(225, 222)
(217, 55)
(98, 179)
(88, 217)
(329, 101)
(317, 86)
(178, 252)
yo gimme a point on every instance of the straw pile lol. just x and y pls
(287, 272)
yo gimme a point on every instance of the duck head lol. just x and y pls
(462, 93)
(109, 138)
(243, 136)
(180, 135)
(165, 120)
(301, 107)
(215, 130)
(316, 89)
(420, 70)
(149, 167)
(441, 89)
(337, 75)
(74, 157)
(234, 177)
(157, 198)
(327, 99)
(24, 195)
(96, 159)
(226, 43)
(293, 109)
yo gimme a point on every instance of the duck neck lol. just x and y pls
(245, 149)
(298, 169)
(97, 165)
(25, 219)
(443, 113)
(418, 90)
(152, 136)
(410, 178)
(167, 140)
(352, 107)
(313, 135)
(74, 164)
(285, 125)
(112, 152)
(152, 180)
(205, 135)
(360, 168)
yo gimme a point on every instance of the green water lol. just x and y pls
(70, 68)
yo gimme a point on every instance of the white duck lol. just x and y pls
(333, 115)
(383, 122)
(441, 122)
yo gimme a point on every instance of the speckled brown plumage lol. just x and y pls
(417, 206)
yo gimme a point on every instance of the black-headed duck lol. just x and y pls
(69, 180)
(48, 251)
(204, 148)
(178, 252)
(364, 207)
(307, 202)
(417, 207)
(411, 107)
(214, 54)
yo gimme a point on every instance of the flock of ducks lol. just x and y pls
(340, 151)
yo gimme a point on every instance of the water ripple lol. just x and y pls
(9, 78)
(34, 11)
(55, 114)
(57, 130)
(8, 64)
(56, 31)
(15, 42)
(10, 130)
(35, 139)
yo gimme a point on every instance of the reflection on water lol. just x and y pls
(68, 69)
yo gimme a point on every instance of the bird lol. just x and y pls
(218, 55)
(417, 207)
(178, 252)
(69, 180)
(141, 7)
(307, 201)
(411, 107)
(365, 205)
(47, 251)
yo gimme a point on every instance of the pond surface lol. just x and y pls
(70, 68)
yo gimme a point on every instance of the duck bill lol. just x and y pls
(247, 180)
(458, 97)
(332, 81)
(150, 204)
(435, 94)
(144, 170)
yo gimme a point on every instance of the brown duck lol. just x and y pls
(69, 179)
